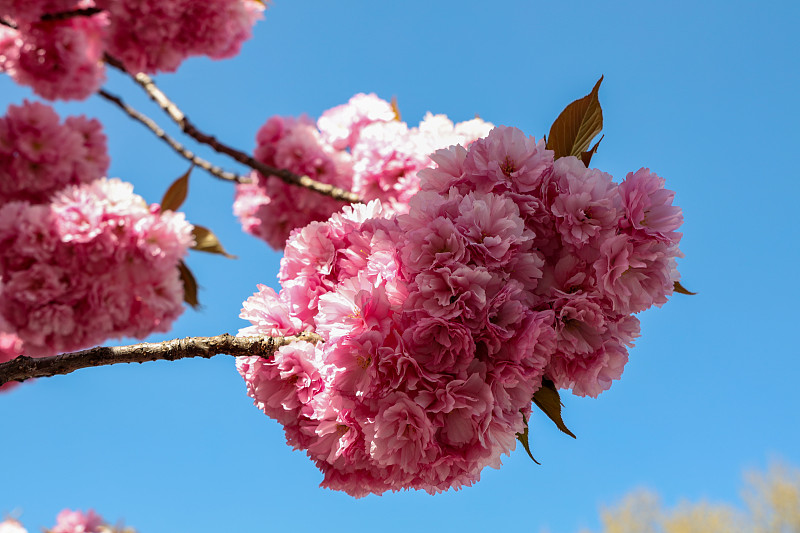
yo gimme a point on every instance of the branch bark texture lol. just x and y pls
(24, 367)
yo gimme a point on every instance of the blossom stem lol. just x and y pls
(24, 367)
(178, 147)
(169, 107)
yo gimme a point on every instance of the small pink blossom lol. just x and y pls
(340, 126)
(77, 522)
(648, 205)
(40, 156)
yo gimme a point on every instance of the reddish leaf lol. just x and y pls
(396, 109)
(176, 194)
(586, 157)
(189, 286)
(576, 126)
(206, 241)
(548, 400)
(683, 290)
(523, 439)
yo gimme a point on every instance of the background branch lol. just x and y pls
(24, 367)
(169, 107)
(178, 147)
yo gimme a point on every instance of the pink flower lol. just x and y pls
(438, 244)
(58, 59)
(508, 160)
(636, 274)
(492, 227)
(439, 344)
(589, 374)
(340, 126)
(401, 434)
(77, 522)
(271, 209)
(585, 206)
(648, 205)
(357, 305)
(39, 156)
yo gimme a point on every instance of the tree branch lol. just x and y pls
(187, 127)
(11, 25)
(24, 367)
(178, 147)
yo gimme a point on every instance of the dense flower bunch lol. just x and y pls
(361, 146)
(39, 155)
(62, 58)
(84, 258)
(440, 324)
(96, 262)
(67, 522)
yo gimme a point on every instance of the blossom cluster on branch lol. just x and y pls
(84, 258)
(361, 146)
(60, 57)
(483, 268)
(441, 323)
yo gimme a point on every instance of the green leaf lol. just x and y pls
(683, 290)
(206, 241)
(576, 126)
(548, 400)
(189, 286)
(176, 193)
(586, 157)
(523, 439)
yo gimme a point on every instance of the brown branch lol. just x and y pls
(175, 145)
(5, 22)
(24, 367)
(64, 15)
(187, 127)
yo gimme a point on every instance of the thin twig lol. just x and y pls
(5, 22)
(24, 367)
(178, 147)
(64, 15)
(185, 124)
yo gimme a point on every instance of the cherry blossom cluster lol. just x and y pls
(360, 146)
(67, 522)
(94, 263)
(39, 155)
(440, 324)
(82, 261)
(62, 57)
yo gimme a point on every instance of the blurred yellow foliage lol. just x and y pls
(772, 506)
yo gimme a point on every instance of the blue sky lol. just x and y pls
(703, 93)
